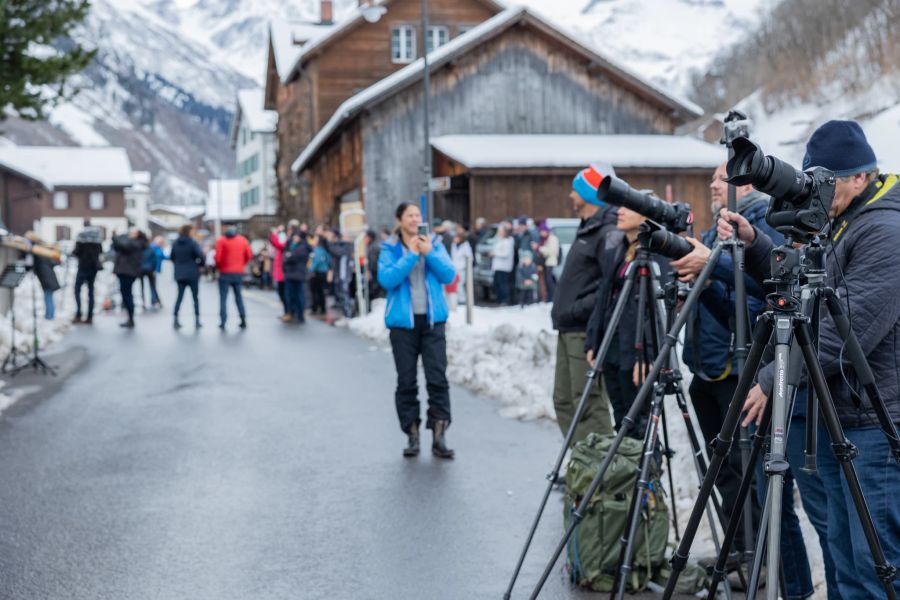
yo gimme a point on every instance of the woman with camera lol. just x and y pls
(413, 267)
(621, 365)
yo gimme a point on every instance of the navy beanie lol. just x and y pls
(841, 147)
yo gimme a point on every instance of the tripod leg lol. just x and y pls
(761, 334)
(734, 522)
(845, 452)
(640, 493)
(863, 372)
(582, 403)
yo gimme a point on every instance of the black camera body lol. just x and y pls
(664, 219)
(801, 200)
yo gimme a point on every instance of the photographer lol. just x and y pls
(708, 349)
(413, 268)
(865, 216)
(621, 364)
(573, 302)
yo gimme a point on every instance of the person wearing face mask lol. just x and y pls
(413, 268)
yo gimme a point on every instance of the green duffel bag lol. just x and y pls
(595, 548)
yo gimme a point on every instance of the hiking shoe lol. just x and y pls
(77, 320)
(129, 324)
(176, 324)
(412, 446)
(439, 445)
(243, 324)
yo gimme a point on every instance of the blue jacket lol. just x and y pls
(708, 343)
(395, 263)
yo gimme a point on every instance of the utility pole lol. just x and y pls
(426, 79)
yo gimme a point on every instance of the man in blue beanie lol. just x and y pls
(863, 271)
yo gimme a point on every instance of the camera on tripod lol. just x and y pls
(664, 219)
(801, 200)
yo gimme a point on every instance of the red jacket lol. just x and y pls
(277, 269)
(232, 254)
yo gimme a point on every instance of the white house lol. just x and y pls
(137, 201)
(55, 190)
(253, 139)
(223, 204)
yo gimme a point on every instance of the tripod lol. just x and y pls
(10, 279)
(668, 384)
(668, 344)
(787, 324)
(36, 362)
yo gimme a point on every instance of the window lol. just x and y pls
(60, 200)
(95, 201)
(437, 37)
(63, 232)
(462, 29)
(403, 44)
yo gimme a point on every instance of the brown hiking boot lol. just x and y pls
(439, 445)
(412, 447)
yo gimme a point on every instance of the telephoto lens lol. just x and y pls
(655, 238)
(674, 216)
(766, 173)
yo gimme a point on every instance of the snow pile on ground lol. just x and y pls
(507, 354)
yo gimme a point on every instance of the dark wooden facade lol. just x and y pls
(25, 201)
(521, 82)
(347, 63)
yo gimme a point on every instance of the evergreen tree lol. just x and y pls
(36, 52)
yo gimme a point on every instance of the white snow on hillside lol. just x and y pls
(784, 131)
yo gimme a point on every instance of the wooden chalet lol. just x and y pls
(513, 75)
(54, 191)
(312, 68)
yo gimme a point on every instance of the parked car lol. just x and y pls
(564, 229)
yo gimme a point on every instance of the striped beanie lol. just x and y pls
(586, 183)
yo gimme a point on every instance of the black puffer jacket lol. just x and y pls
(865, 250)
(187, 256)
(88, 254)
(583, 272)
(295, 259)
(43, 270)
(129, 253)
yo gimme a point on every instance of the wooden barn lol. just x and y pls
(502, 176)
(312, 68)
(513, 75)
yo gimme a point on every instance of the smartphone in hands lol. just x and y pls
(423, 230)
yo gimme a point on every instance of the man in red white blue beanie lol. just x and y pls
(573, 301)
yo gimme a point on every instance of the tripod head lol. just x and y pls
(736, 125)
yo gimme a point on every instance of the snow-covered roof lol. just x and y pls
(230, 190)
(475, 36)
(621, 151)
(251, 111)
(188, 211)
(69, 166)
(353, 18)
(288, 38)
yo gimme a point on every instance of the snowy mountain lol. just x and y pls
(167, 71)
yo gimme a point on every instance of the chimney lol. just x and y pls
(326, 12)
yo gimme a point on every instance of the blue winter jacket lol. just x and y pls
(395, 263)
(708, 340)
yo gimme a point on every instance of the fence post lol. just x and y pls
(470, 288)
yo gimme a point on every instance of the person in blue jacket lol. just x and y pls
(414, 269)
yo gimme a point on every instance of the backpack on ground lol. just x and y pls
(594, 550)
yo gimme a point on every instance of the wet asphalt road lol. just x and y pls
(258, 464)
